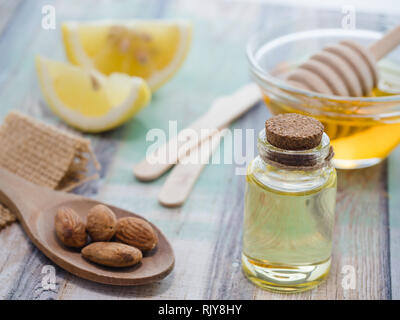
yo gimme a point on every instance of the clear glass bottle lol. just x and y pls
(289, 216)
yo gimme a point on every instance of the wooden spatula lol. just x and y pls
(183, 176)
(223, 111)
(36, 208)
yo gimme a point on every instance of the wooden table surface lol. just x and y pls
(206, 231)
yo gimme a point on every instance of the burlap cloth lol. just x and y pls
(43, 155)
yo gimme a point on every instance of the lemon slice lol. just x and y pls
(151, 49)
(88, 100)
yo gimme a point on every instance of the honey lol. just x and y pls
(363, 123)
(358, 141)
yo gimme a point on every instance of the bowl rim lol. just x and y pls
(272, 80)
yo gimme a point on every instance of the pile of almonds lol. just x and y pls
(133, 236)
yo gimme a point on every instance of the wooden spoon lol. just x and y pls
(36, 208)
(346, 68)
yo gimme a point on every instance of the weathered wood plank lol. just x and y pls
(394, 222)
(7, 9)
(31, 103)
(21, 264)
(226, 280)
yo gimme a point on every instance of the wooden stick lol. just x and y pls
(184, 175)
(387, 43)
(223, 111)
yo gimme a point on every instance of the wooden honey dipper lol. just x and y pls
(346, 68)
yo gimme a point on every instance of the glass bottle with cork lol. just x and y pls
(289, 209)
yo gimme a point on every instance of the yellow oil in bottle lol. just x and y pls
(358, 142)
(287, 236)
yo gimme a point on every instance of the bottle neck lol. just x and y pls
(312, 159)
(292, 171)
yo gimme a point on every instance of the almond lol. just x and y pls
(112, 254)
(70, 228)
(136, 232)
(101, 223)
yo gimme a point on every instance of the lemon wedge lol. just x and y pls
(89, 100)
(151, 49)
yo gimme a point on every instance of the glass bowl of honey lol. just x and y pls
(363, 130)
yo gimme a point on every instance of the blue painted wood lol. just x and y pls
(394, 222)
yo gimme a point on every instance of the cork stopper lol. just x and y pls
(292, 131)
